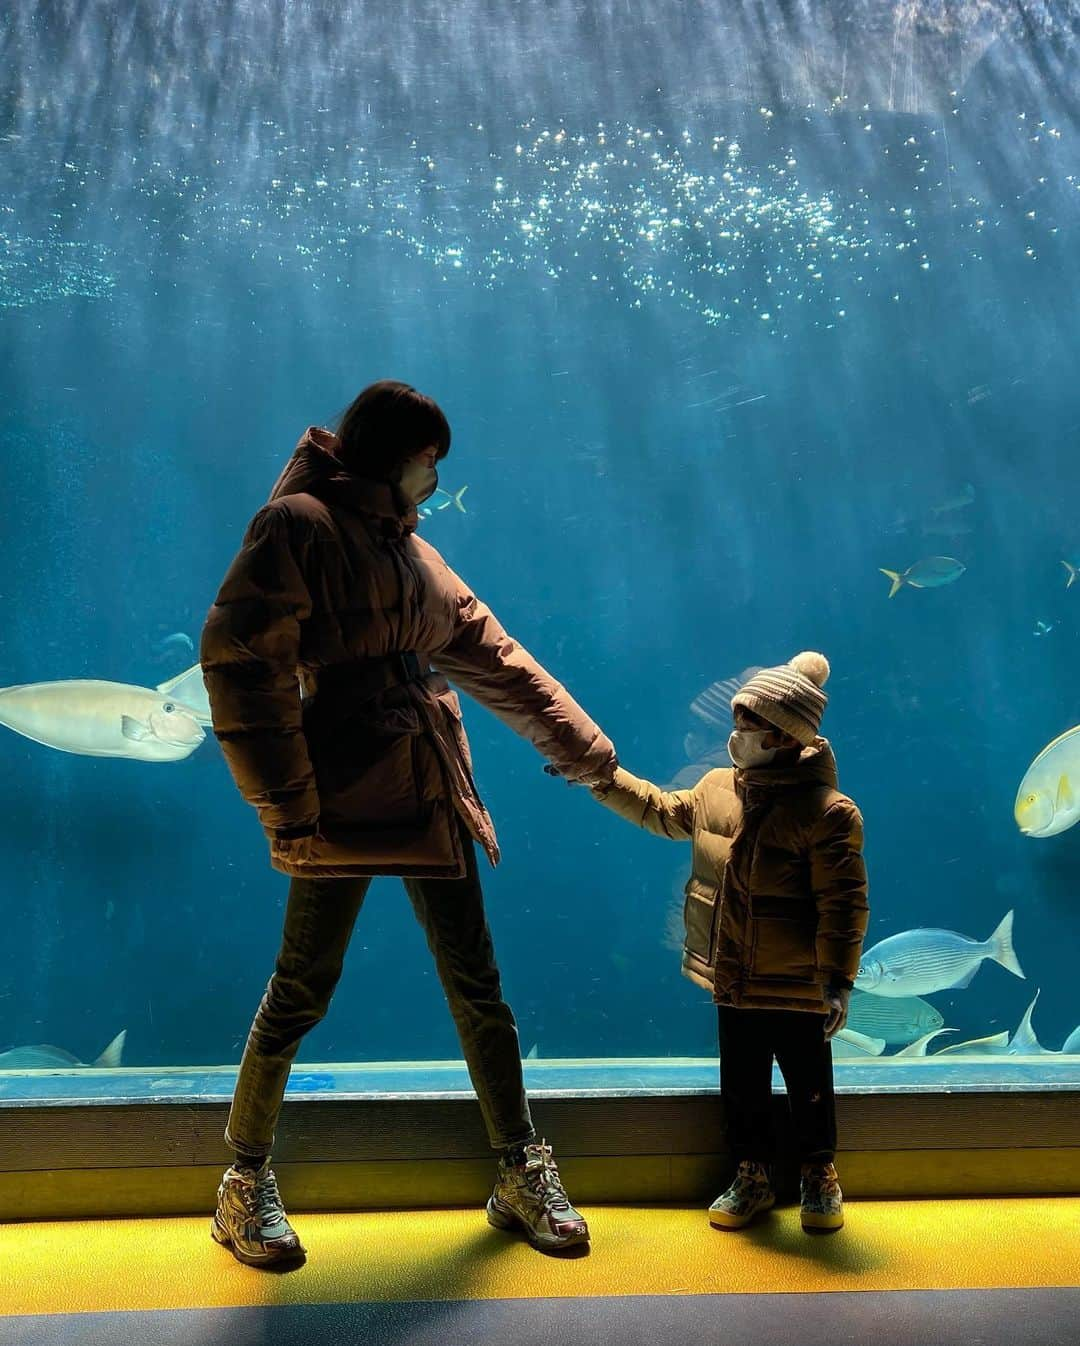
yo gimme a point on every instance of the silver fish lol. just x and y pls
(897, 1019)
(44, 1057)
(918, 962)
(713, 705)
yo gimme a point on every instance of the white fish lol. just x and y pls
(896, 1019)
(1023, 1041)
(917, 962)
(997, 1045)
(44, 1057)
(1048, 800)
(847, 1042)
(102, 719)
(919, 1046)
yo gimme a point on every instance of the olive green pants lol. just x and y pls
(319, 921)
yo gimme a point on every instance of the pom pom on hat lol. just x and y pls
(811, 665)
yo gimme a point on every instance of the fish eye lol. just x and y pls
(169, 707)
(1031, 799)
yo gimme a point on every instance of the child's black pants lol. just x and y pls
(749, 1039)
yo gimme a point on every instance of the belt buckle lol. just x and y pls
(410, 666)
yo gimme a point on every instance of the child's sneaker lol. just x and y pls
(822, 1199)
(250, 1219)
(531, 1196)
(750, 1192)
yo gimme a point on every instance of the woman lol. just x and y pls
(350, 745)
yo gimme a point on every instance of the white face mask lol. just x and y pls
(746, 748)
(418, 481)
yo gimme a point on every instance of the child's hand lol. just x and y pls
(292, 851)
(838, 1000)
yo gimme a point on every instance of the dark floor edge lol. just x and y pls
(1049, 1317)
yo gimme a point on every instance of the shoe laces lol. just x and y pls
(542, 1177)
(263, 1196)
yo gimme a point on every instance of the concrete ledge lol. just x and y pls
(142, 1159)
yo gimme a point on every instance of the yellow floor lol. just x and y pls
(454, 1255)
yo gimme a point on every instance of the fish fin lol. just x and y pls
(110, 1058)
(1002, 947)
(133, 729)
(457, 501)
(171, 683)
(963, 981)
(864, 1042)
(1072, 574)
(1024, 1042)
(897, 581)
(533, 1054)
(918, 1047)
(1065, 796)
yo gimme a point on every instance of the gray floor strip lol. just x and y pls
(1048, 1317)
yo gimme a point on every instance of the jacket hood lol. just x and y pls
(315, 469)
(816, 765)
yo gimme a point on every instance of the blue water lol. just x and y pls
(720, 315)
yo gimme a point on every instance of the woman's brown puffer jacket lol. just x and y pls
(333, 723)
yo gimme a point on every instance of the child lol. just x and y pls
(775, 914)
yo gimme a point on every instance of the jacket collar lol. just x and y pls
(815, 765)
(316, 469)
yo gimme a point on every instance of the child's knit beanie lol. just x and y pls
(789, 696)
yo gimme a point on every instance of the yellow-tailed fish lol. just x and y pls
(1048, 800)
(930, 573)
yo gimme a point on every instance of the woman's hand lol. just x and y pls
(293, 850)
(838, 1000)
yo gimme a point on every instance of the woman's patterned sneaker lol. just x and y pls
(822, 1199)
(531, 1196)
(250, 1219)
(750, 1192)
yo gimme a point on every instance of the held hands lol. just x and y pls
(293, 850)
(838, 1001)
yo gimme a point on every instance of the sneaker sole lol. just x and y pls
(501, 1217)
(221, 1235)
(825, 1222)
(722, 1220)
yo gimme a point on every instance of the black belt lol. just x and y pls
(366, 678)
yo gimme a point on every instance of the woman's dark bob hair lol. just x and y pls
(388, 423)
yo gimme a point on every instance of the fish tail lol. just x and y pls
(897, 581)
(1001, 946)
(1073, 572)
(457, 501)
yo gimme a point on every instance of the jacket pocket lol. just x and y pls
(699, 917)
(784, 937)
(366, 767)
